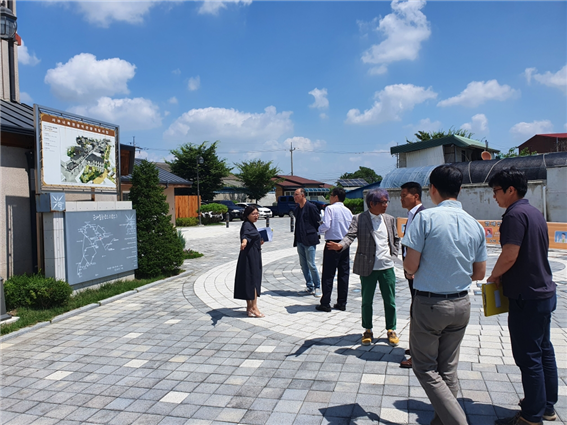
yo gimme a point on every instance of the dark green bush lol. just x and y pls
(36, 291)
(211, 218)
(186, 221)
(214, 208)
(159, 248)
(356, 206)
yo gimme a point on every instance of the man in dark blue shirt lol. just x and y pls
(525, 274)
(306, 240)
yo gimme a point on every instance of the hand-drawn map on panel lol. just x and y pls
(99, 244)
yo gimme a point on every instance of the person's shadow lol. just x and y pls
(218, 313)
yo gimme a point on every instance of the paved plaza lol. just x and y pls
(183, 351)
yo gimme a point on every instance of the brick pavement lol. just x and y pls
(183, 351)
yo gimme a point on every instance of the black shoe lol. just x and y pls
(339, 307)
(323, 308)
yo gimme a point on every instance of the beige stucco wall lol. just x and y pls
(15, 231)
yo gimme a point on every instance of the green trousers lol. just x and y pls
(387, 280)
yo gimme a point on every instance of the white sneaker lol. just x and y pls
(317, 293)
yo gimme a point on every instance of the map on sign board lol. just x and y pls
(99, 244)
(77, 154)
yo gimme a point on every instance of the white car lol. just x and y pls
(264, 212)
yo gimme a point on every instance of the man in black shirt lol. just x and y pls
(525, 274)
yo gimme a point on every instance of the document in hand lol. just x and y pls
(266, 234)
(493, 299)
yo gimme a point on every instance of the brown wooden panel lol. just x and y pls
(186, 206)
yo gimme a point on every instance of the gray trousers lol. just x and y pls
(437, 329)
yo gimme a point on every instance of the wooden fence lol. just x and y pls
(186, 206)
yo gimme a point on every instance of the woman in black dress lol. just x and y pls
(248, 279)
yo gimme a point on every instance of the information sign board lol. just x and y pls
(100, 244)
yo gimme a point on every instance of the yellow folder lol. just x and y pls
(493, 300)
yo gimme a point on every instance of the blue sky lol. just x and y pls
(341, 81)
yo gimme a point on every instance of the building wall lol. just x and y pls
(557, 194)
(477, 200)
(15, 227)
(430, 156)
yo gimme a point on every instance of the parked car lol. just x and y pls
(285, 205)
(234, 211)
(264, 212)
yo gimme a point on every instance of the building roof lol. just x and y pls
(165, 177)
(16, 118)
(352, 182)
(296, 181)
(460, 141)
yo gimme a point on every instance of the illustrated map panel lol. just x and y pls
(75, 154)
(99, 244)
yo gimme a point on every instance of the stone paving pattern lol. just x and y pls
(184, 352)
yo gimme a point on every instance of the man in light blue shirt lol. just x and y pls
(446, 250)
(335, 226)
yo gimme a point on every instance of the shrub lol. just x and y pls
(186, 221)
(36, 291)
(159, 248)
(214, 208)
(356, 206)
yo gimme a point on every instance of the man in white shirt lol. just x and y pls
(378, 242)
(336, 222)
(411, 201)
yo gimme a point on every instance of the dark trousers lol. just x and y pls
(332, 261)
(529, 323)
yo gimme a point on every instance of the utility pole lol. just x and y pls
(291, 149)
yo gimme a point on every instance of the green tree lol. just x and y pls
(211, 171)
(365, 173)
(422, 136)
(159, 249)
(512, 153)
(258, 177)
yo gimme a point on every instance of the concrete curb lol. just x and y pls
(90, 307)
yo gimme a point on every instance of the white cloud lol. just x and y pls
(84, 78)
(321, 101)
(303, 144)
(166, 113)
(478, 124)
(25, 57)
(230, 125)
(176, 71)
(129, 114)
(565, 126)
(557, 80)
(26, 98)
(173, 100)
(405, 29)
(391, 103)
(478, 92)
(213, 7)
(194, 83)
(529, 129)
(103, 13)
(323, 116)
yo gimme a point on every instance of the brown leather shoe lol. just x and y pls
(406, 364)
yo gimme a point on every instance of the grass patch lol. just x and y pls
(189, 254)
(31, 316)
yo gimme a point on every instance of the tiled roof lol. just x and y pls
(164, 176)
(16, 118)
(297, 181)
(460, 141)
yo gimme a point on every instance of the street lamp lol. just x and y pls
(8, 27)
(8, 24)
(200, 160)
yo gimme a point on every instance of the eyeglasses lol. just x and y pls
(496, 190)
(384, 202)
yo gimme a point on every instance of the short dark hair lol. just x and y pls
(510, 177)
(302, 191)
(340, 192)
(374, 196)
(413, 187)
(247, 211)
(447, 179)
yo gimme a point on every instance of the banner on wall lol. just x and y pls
(75, 152)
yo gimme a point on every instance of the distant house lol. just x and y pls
(313, 188)
(545, 143)
(168, 180)
(445, 150)
(359, 192)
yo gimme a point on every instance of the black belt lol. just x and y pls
(333, 240)
(434, 295)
